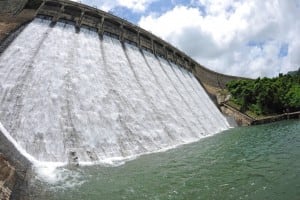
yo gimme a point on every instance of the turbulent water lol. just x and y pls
(259, 162)
(71, 97)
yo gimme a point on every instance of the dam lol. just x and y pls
(82, 99)
(89, 87)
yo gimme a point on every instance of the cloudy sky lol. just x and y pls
(248, 38)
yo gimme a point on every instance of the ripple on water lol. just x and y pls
(242, 163)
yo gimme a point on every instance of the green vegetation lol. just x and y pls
(267, 96)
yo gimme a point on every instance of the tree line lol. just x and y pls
(265, 96)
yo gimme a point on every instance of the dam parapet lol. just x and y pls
(83, 16)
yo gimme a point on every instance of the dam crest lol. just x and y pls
(84, 16)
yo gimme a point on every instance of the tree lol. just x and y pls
(267, 95)
(293, 98)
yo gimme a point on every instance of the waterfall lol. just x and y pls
(73, 97)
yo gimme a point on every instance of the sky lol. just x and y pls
(250, 38)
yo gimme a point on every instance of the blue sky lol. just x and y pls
(249, 38)
(156, 7)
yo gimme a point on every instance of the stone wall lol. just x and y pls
(7, 178)
(275, 118)
(240, 118)
(13, 170)
(12, 6)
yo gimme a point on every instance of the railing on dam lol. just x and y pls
(106, 23)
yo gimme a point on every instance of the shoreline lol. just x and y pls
(245, 120)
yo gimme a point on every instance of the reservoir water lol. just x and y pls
(259, 162)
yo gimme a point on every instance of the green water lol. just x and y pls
(259, 162)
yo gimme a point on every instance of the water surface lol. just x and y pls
(259, 162)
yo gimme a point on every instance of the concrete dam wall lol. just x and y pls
(74, 98)
(107, 24)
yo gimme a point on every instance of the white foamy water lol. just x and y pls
(68, 97)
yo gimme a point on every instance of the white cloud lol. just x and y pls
(107, 5)
(136, 5)
(219, 35)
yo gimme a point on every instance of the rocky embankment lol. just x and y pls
(7, 178)
(13, 171)
(13, 166)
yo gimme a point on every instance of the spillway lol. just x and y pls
(73, 97)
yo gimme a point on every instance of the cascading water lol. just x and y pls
(71, 97)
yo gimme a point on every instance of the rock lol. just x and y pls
(4, 193)
(7, 178)
(73, 158)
